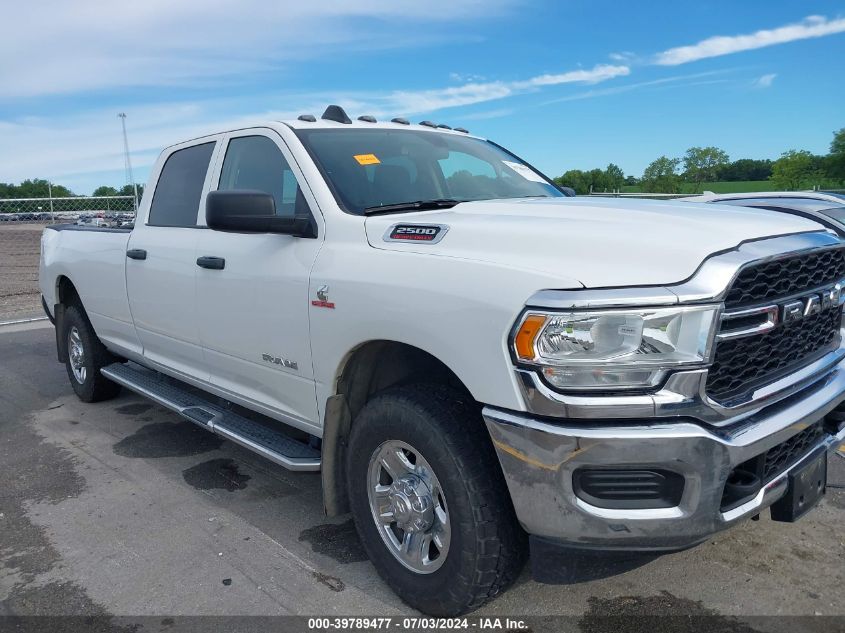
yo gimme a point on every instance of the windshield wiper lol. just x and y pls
(417, 205)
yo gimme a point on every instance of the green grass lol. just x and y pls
(740, 186)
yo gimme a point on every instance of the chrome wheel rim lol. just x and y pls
(409, 507)
(76, 354)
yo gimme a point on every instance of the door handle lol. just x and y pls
(212, 263)
(136, 253)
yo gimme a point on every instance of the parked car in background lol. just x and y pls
(96, 222)
(825, 207)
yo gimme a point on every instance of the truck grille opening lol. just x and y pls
(782, 456)
(744, 364)
(748, 478)
(785, 277)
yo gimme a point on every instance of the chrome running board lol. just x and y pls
(272, 443)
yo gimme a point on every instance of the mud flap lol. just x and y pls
(61, 347)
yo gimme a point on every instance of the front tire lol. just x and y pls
(86, 356)
(429, 500)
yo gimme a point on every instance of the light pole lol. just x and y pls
(50, 195)
(128, 163)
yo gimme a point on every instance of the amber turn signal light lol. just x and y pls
(528, 331)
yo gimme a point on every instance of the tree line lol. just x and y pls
(795, 169)
(41, 188)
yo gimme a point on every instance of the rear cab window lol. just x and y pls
(179, 187)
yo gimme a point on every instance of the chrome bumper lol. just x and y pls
(684, 394)
(538, 458)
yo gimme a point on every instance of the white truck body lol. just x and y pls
(274, 331)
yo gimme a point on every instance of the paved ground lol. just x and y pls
(121, 508)
(20, 248)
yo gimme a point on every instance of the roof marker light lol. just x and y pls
(400, 120)
(368, 118)
(428, 124)
(307, 117)
(461, 129)
(336, 113)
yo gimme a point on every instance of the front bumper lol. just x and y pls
(539, 456)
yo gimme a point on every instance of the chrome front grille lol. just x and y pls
(745, 363)
(785, 277)
(780, 316)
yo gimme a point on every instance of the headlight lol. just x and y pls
(607, 349)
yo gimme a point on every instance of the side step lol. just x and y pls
(271, 443)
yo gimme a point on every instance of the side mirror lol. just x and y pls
(248, 211)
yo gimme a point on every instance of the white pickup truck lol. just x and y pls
(475, 361)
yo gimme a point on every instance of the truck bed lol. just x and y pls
(93, 259)
(91, 229)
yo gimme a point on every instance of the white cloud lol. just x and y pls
(488, 114)
(810, 27)
(409, 102)
(80, 149)
(664, 81)
(465, 78)
(88, 45)
(602, 72)
(765, 81)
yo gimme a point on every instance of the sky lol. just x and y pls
(567, 84)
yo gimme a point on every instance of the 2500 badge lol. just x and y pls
(430, 233)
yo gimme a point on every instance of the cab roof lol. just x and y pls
(336, 117)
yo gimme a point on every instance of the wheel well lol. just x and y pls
(377, 365)
(66, 293)
(369, 369)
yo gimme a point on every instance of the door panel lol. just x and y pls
(162, 296)
(253, 317)
(162, 284)
(253, 313)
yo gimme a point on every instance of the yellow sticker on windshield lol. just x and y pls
(367, 159)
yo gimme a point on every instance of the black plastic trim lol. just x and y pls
(336, 113)
(47, 310)
(210, 262)
(626, 488)
(61, 348)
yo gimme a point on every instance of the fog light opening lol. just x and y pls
(635, 488)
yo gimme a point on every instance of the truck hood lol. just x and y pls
(601, 242)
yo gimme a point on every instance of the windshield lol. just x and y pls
(372, 168)
(837, 213)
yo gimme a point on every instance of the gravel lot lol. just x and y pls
(122, 509)
(20, 248)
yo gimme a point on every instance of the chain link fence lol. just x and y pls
(21, 222)
(23, 219)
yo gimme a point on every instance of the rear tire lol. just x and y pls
(421, 464)
(86, 356)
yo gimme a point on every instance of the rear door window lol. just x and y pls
(179, 188)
